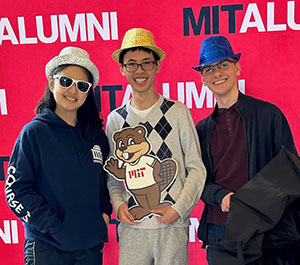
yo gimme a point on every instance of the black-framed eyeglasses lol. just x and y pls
(66, 81)
(133, 67)
(222, 66)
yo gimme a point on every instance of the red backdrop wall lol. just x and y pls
(32, 32)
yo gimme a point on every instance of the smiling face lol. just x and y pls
(68, 100)
(141, 81)
(222, 81)
(131, 144)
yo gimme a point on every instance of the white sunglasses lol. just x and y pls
(66, 81)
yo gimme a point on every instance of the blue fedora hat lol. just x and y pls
(214, 49)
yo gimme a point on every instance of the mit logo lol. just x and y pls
(137, 173)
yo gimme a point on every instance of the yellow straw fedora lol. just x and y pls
(138, 37)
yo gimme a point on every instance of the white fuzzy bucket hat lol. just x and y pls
(74, 56)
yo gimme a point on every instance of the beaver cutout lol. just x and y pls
(145, 176)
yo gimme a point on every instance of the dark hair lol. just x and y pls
(139, 48)
(91, 123)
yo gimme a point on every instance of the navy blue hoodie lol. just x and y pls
(56, 184)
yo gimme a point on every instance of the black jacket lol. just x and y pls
(267, 130)
(263, 225)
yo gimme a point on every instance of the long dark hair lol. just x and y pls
(91, 122)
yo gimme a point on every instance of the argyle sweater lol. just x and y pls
(171, 133)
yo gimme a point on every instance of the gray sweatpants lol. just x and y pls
(162, 246)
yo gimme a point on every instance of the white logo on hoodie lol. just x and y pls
(97, 154)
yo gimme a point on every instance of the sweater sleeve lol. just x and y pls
(115, 187)
(195, 170)
(107, 208)
(21, 194)
(213, 194)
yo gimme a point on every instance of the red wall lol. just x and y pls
(266, 33)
